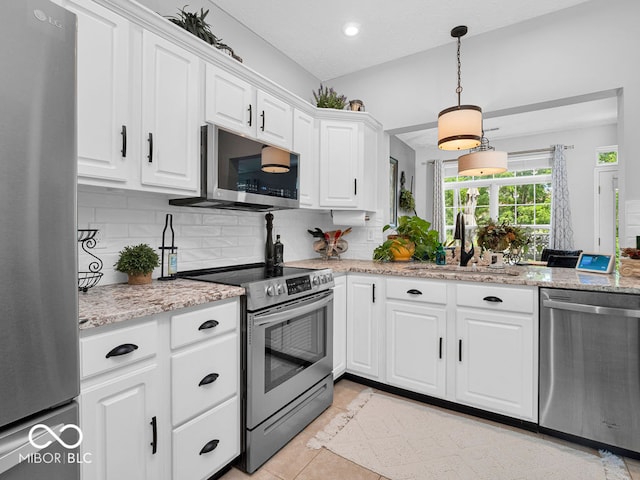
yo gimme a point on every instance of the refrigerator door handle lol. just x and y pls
(12, 452)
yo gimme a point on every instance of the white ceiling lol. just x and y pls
(310, 33)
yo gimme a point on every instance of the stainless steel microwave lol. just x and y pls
(234, 174)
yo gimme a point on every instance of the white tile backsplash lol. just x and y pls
(204, 237)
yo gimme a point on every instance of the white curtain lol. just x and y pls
(438, 198)
(561, 235)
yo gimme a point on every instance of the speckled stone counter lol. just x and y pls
(513, 275)
(117, 303)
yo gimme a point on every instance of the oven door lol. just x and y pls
(289, 350)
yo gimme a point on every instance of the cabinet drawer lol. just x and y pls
(424, 291)
(215, 366)
(204, 323)
(496, 298)
(191, 442)
(124, 346)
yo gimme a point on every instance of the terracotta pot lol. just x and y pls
(401, 249)
(142, 279)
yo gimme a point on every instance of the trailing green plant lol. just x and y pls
(137, 260)
(407, 202)
(328, 98)
(410, 229)
(195, 24)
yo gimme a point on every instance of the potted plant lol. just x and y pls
(413, 238)
(328, 98)
(501, 237)
(138, 262)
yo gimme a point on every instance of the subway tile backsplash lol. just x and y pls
(204, 237)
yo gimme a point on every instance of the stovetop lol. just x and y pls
(266, 286)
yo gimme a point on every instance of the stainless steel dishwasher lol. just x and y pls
(590, 365)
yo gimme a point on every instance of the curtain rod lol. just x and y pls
(522, 152)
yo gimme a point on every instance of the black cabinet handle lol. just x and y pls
(250, 109)
(154, 441)
(121, 350)
(460, 350)
(373, 293)
(440, 348)
(413, 291)
(355, 186)
(209, 324)
(262, 115)
(123, 132)
(492, 299)
(209, 447)
(150, 140)
(212, 377)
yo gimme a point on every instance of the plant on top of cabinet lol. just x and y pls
(196, 25)
(138, 262)
(414, 238)
(328, 98)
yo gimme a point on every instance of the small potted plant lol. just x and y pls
(413, 238)
(328, 98)
(138, 262)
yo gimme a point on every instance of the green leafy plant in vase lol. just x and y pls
(138, 262)
(413, 238)
(327, 97)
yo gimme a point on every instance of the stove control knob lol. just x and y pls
(316, 280)
(271, 291)
(280, 289)
(323, 278)
(330, 276)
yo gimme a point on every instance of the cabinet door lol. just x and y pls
(116, 419)
(305, 144)
(229, 101)
(364, 304)
(275, 120)
(415, 347)
(494, 361)
(170, 112)
(339, 326)
(104, 119)
(339, 164)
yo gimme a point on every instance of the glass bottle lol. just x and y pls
(278, 249)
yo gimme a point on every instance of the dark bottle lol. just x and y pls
(278, 250)
(268, 249)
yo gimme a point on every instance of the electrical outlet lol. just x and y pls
(370, 234)
(100, 235)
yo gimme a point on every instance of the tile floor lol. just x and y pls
(297, 462)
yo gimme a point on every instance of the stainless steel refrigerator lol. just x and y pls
(38, 246)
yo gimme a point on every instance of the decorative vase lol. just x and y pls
(141, 279)
(401, 249)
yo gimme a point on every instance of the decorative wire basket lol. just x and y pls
(86, 280)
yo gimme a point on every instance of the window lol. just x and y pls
(520, 196)
(607, 155)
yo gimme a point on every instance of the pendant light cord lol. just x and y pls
(459, 89)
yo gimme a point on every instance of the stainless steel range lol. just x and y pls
(287, 352)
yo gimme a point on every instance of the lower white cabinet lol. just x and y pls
(339, 326)
(159, 397)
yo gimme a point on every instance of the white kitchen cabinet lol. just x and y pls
(103, 93)
(339, 326)
(348, 165)
(305, 144)
(496, 351)
(233, 103)
(170, 114)
(365, 310)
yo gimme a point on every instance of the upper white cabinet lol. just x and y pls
(237, 105)
(170, 107)
(104, 97)
(305, 144)
(348, 164)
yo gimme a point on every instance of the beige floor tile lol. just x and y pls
(290, 461)
(633, 466)
(327, 465)
(261, 474)
(344, 392)
(322, 421)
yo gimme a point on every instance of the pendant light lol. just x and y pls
(275, 160)
(459, 127)
(482, 160)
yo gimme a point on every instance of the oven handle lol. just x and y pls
(260, 320)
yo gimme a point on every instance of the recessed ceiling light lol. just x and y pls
(351, 29)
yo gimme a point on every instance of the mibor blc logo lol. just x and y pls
(42, 436)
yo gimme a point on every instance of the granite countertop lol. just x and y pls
(116, 303)
(512, 275)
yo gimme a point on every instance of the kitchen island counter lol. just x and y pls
(116, 303)
(512, 275)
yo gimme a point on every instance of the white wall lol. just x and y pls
(204, 237)
(584, 49)
(406, 157)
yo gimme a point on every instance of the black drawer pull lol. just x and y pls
(124, 141)
(262, 126)
(150, 140)
(492, 299)
(121, 350)
(440, 348)
(209, 447)
(414, 291)
(154, 441)
(209, 324)
(212, 377)
(460, 350)
(250, 114)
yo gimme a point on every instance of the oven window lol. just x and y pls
(293, 345)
